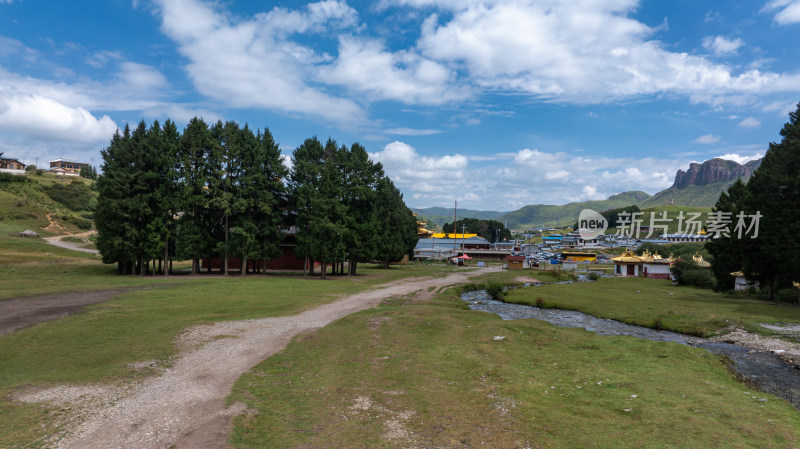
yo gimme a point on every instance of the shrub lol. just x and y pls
(790, 295)
(495, 290)
(593, 275)
(75, 195)
(80, 222)
(8, 177)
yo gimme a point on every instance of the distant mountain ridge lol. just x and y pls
(702, 184)
(709, 172)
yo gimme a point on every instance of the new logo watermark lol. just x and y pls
(591, 224)
(632, 224)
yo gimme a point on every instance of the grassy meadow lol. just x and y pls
(431, 374)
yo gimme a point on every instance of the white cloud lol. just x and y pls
(412, 131)
(789, 11)
(508, 181)
(750, 122)
(142, 77)
(367, 66)
(722, 46)
(742, 158)
(52, 120)
(250, 63)
(707, 139)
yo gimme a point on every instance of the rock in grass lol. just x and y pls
(498, 338)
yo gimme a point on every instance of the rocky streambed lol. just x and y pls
(758, 365)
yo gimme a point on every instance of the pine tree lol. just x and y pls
(775, 193)
(728, 251)
(328, 212)
(361, 177)
(307, 162)
(113, 217)
(398, 226)
(195, 146)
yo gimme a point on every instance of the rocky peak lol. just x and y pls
(714, 170)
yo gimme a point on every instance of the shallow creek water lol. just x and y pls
(764, 370)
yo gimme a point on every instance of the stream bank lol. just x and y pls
(763, 370)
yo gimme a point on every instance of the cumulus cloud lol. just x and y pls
(721, 46)
(367, 66)
(742, 158)
(506, 181)
(750, 122)
(251, 63)
(53, 120)
(787, 12)
(707, 139)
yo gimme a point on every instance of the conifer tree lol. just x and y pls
(360, 181)
(307, 162)
(195, 146)
(775, 193)
(398, 226)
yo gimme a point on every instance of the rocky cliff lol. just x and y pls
(709, 172)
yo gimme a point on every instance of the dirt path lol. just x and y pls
(185, 405)
(56, 241)
(20, 313)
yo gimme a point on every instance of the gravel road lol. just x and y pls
(184, 406)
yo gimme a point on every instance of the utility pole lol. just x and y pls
(455, 229)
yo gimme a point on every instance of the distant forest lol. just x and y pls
(224, 191)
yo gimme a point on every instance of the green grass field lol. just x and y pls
(430, 374)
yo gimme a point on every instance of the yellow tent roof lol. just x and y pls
(443, 235)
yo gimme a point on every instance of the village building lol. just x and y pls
(12, 166)
(656, 267)
(66, 167)
(515, 262)
(741, 283)
(627, 264)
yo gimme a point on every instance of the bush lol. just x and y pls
(80, 222)
(75, 196)
(790, 295)
(686, 272)
(8, 177)
(593, 275)
(495, 290)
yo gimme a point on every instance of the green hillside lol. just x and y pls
(440, 215)
(697, 196)
(548, 215)
(47, 204)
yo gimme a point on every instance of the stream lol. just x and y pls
(763, 370)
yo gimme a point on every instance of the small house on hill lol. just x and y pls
(66, 167)
(12, 166)
(656, 267)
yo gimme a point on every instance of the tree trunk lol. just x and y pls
(324, 270)
(195, 266)
(244, 266)
(166, 256)
(160, 269)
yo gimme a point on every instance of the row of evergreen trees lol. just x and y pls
(773, 258)
(224, 191)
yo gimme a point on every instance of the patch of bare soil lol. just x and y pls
(527, 280)
(788, 351)
(185, 405)
(20, 313)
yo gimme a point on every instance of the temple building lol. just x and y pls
(648, 265)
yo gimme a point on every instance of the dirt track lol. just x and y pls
(185, 405)
(20, 313)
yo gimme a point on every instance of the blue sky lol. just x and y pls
(496, 104)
